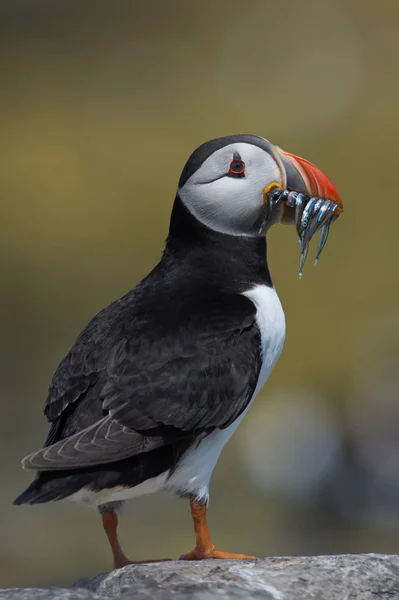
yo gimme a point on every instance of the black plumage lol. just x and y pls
(176, 357)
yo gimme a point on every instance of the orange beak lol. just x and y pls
(303, 176)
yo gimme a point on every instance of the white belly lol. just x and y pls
(195, 468)
(150, 486)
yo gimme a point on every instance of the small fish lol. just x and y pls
(308, 212)
(299, 207)
(311, 214)
(322, 240)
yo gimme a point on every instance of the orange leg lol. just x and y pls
(110, 524)
(203, 546)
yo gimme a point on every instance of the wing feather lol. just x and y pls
(156, 375)
(104, 442)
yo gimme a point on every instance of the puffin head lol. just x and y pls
(225, 184)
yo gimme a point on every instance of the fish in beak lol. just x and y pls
(309, 200)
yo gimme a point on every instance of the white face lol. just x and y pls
(232, 204)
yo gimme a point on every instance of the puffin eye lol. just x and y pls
(237, 166)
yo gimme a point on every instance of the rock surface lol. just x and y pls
(347, 577)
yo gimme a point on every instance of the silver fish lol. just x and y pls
(315, 224)
(306, 215)
(311, 214)
(322, 240)
(302, 258)
(300, 204)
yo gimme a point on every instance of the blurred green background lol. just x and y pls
(101, 103)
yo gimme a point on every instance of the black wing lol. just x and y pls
(158, 371)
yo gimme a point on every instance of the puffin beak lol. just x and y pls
(300, 175)
(305, 197)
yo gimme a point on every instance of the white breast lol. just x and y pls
(195, 468)
(271, 322)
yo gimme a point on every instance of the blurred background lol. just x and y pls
(101, 104)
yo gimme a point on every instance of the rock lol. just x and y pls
(347, 577)
(47, 594)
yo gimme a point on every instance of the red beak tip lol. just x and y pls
(316, 182)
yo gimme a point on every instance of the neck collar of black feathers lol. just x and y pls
(242, 259)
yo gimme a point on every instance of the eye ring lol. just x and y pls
(237, 166)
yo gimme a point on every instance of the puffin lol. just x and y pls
(158, 381)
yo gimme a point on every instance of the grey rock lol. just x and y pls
(347, 577)
(47, 594)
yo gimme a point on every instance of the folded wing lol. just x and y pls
(157, 380)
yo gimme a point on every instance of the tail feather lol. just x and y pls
(50, 486)
(45, 488)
